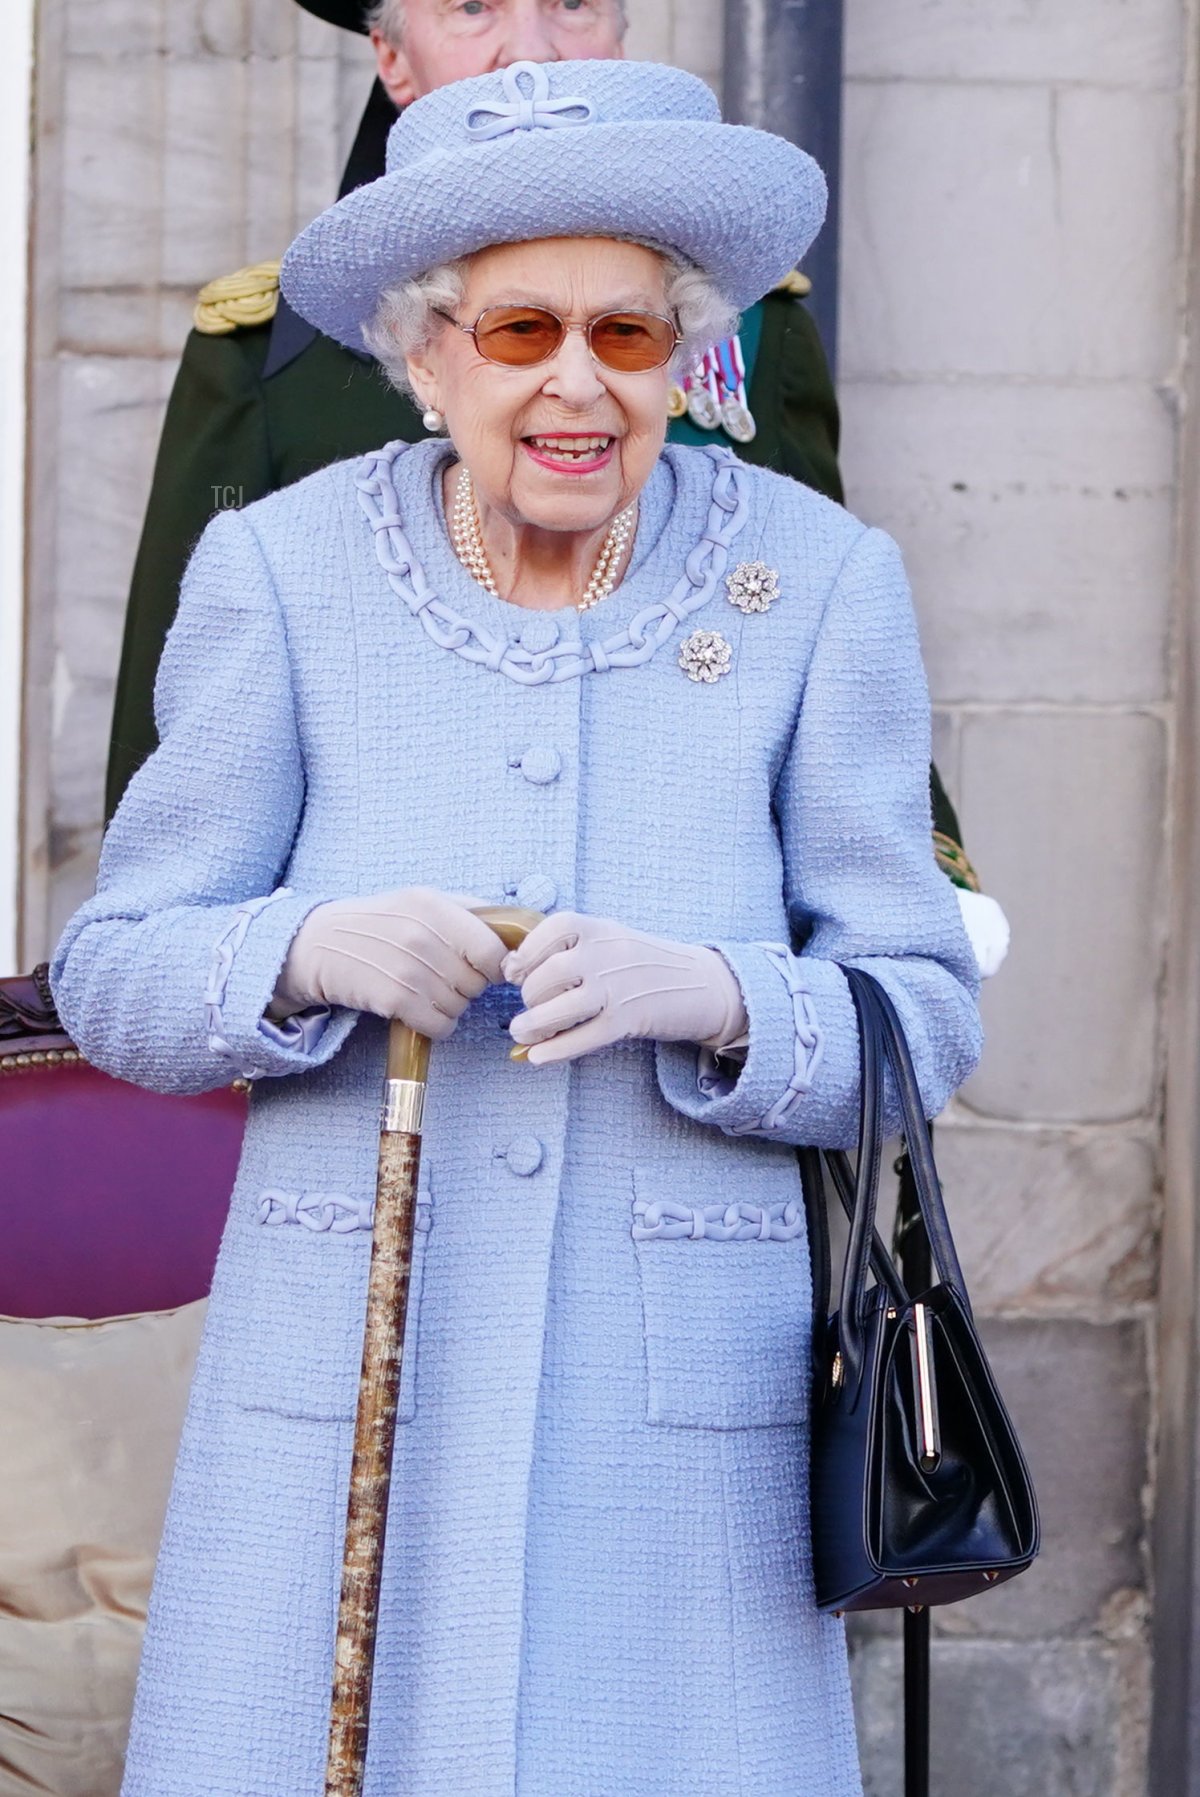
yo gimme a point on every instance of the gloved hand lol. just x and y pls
(588, 982)
(417, 955)
(987, 929)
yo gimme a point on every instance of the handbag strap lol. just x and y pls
(883, 1265)
(882, 1047)
(814, 1163)
(812, 1183)
(926, 1184)
(850, 1184)
(853, 1298)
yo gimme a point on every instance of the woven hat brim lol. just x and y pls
(741, 204)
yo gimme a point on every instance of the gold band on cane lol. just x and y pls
(403, 1106)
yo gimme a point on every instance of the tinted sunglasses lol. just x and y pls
(522, 336)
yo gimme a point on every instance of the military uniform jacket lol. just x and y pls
(256, 407)
(598, 1576)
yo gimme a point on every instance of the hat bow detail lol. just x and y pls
(526, 110)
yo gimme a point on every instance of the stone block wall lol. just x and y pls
(1011, 343)
(176, 140)
(1010, 354)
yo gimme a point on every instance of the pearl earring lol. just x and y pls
(433, 420)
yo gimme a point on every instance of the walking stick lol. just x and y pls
(911, 1247)
(379, 1384)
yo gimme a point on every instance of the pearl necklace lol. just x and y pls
(467, 538)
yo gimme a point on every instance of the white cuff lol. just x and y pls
(987, 929)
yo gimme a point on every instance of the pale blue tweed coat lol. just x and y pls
(598, 1579)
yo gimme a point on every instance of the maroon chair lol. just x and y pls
(113, 1199)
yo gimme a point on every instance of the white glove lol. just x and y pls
(588, 982)
(987, 929)
(417, 955)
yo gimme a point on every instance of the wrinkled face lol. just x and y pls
(566, 444)
(447, 40)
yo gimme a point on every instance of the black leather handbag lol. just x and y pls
(920, 1493)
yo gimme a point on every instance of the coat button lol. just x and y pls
(541, 764)
(524, 1155)
(538, 892)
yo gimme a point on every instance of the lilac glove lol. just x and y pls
(588, 982)
(417, 955)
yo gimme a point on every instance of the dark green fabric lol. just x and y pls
(791, 396)
(945, 817)
(229, 438)
(682, 430)
(795, 408)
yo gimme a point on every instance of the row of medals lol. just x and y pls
(713, 395)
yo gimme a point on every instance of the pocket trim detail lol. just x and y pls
(656, 1220)
(326, 1211)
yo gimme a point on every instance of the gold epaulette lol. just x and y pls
(248, 296)
(798, 285)
(952, 858)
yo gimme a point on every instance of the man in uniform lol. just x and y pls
(261, 398)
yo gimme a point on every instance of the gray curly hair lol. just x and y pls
(387, 17)
(405, 320)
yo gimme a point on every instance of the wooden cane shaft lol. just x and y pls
(379, 1387)
(371, 1466)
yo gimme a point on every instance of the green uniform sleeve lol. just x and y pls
(213, 455)
(792, 399)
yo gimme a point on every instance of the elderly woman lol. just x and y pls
(675, 704)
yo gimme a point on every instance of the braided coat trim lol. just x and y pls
(226, 948)
(646, 633)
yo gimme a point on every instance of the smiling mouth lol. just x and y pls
(570, 451)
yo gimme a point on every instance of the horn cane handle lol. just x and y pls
(408, 1053)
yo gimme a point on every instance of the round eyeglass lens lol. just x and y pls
(517, 336)
(632, 342)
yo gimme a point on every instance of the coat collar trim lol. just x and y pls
(641, 639)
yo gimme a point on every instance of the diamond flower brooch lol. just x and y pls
(705, 655)
(752, 586)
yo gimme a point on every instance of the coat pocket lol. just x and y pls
(301, 1346)
(726, 1304)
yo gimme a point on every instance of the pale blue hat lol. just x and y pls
(561, 149)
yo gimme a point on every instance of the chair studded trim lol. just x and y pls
(31, 1033)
